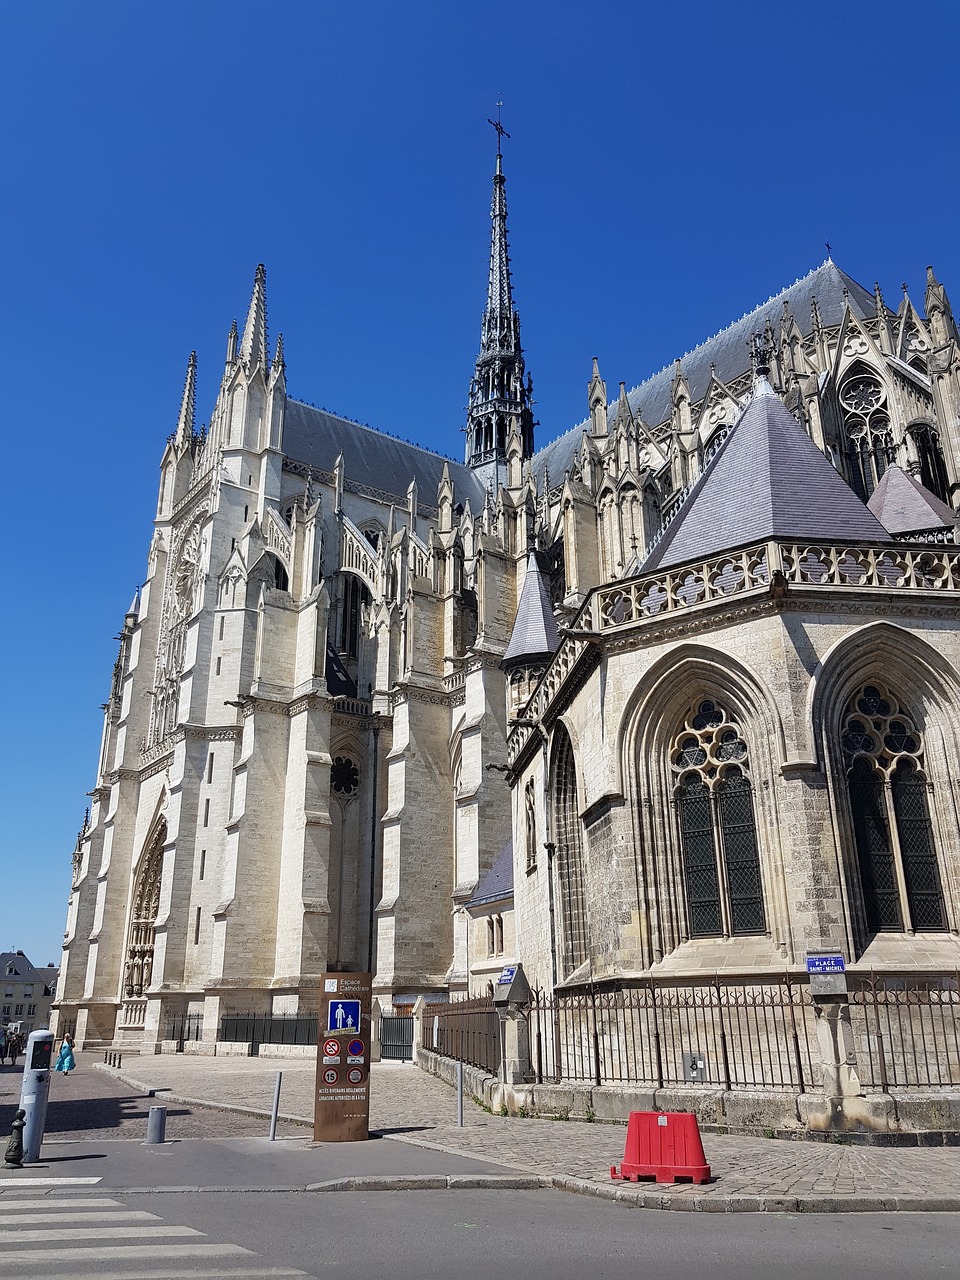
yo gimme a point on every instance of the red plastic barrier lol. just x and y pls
(664, 1145)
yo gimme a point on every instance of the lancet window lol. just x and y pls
(717, 829)
(569, 858)
(355, 596)
(890, 810)
(530, 826)
(933, 471)
(867, 424)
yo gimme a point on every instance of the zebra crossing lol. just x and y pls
(89, 1236)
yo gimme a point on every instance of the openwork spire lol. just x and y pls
(501, 393)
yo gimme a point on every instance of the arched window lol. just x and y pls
(718, 836)
(933, 471)
(355, 596)
(890, 812)
(569, 857)
(138, 969)
(867, 424)
(530, 826)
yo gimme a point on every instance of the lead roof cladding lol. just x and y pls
(903, 505)
(497, 884)
(727, 350)
(534, 632)
(316, 437)
(767, 480)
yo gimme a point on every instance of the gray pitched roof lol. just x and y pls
(24, 970)
(497, 884)
(317, 437)
(535, 632)
(903, 505)
(727, 350)
(767, 480)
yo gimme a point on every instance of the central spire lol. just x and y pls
(501, 393)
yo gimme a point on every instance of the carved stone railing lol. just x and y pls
(839, 569)
(357, 555)
(343, 705)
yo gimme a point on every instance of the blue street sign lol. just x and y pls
(825, 964)
(508, 975)
(343, 1015)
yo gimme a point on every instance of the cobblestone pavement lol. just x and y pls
(416, 1107)
(92, 1104)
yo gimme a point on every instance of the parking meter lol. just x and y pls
(34, 1092)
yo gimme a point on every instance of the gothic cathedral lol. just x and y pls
(677, 693)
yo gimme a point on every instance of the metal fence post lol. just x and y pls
(276, 1107)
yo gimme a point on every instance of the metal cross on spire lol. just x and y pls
(501, 131)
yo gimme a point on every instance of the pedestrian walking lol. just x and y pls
(3, 1045)
(65, 1059)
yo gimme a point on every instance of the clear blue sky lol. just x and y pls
(670, 167)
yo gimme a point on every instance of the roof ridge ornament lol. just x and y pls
(760, 353)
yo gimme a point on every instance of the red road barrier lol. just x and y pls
(664, 1145)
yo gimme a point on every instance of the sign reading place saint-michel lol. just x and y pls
(342, 1108)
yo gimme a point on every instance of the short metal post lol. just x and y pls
(276, 1107)
(156, 1126)
(459, 1095)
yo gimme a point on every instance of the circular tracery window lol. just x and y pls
(876, 728)
(861, 393)
(710, 745)
(345, 776)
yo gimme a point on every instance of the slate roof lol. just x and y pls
(534, 632)
(497, 884)
(767, 480)
(316, 437)
(728, 350)
(903, 505)
(24, 971)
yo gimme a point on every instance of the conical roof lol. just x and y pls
(767, 480)
(903, 505)
(535, 634)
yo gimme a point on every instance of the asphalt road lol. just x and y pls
(90, 1234)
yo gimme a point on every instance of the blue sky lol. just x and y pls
(670, 167)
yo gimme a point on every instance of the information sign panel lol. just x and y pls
(342, 1108)
(825, 964)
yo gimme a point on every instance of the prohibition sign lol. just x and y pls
(331, 1048)
(331, 1075)
(354, 1075)
(355, 1048)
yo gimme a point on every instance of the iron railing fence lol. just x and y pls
(754, 1034)
(467, 1030)
(269, 1028)
(905, 1030)
(184, 1026)
(396, 1037)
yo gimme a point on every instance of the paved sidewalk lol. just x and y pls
(749, 1173)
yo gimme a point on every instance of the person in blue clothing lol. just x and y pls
(65, 1059)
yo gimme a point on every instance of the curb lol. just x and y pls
(634, 1196)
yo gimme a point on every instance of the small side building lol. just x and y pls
(492, 933)
(27, 993)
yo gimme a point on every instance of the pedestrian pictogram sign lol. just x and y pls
(342, 1108)
(343, 1015)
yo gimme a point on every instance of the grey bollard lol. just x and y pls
(156, 1125)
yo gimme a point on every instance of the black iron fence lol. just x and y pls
(268, 1028)
(467, 1030)
(734, 1034)
(905, 1030)
(396, 1037)
(184, 1026)
(747, 1035)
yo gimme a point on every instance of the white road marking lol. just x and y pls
(15, 1262)
(48, 1182)
(94, 1233)
(81, 1216)
(12, 1204)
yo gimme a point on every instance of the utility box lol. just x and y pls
(694, 1066)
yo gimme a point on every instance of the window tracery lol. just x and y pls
(138, 969)
(867, 423)
(893, 830)
(718, 839)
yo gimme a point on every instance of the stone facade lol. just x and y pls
(314, 751)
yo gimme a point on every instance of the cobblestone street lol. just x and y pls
(412, 1106)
